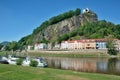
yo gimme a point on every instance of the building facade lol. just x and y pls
(87, 44)
(100, 43)
(40, 46)
(71, 44)
(30, 47)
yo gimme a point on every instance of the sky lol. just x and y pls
(18, 18)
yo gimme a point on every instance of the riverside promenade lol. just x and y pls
(82, 51)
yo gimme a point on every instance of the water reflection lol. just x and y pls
(101, 65)
(114, 66)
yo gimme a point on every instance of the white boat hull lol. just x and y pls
(40, 64)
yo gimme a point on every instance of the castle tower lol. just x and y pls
(86, 10)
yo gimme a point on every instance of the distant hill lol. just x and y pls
(5, 43)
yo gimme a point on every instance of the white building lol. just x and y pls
(40, 46)
(29, 47)
(57, 46)
(74, 44)
(64, 45)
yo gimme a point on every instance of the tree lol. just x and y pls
(95, 35)
(12, 46)
(7, 48)
(27, 40)
(63, 37)
(59, 39)
(73, 33)
(44, 41)
(1, 46)
(117, 31)
(77, 11)
(111, 46)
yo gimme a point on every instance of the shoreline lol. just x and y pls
(74, 54)
(64, 53)
(70, 51)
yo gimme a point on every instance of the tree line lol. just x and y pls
(14, 45)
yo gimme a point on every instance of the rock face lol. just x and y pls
(54, 31)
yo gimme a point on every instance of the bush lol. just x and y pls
(77, 11)
(111, 45)
(112, 51)
(19, 61)
(33, 63)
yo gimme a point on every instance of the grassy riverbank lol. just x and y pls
(13, 72)
(71, 54)
(2, 52)
(74, 55)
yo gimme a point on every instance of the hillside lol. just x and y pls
(49, 31)
(72, 25)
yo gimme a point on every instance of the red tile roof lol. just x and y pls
(86, 40)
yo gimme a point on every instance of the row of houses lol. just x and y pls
(87, 44)
(84, 44)
(78, 44)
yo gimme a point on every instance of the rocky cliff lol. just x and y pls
(52, 32)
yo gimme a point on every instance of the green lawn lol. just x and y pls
(2, 52)
(13, 72)
(68, 54)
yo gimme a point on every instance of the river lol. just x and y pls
(92, 65)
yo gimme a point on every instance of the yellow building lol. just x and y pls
(88, 44)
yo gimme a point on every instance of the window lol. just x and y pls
(96, 44)
(88, 44)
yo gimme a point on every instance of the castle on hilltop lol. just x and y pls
(86, 10)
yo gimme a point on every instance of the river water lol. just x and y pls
(92, 65)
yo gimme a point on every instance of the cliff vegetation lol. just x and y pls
(73, 24)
